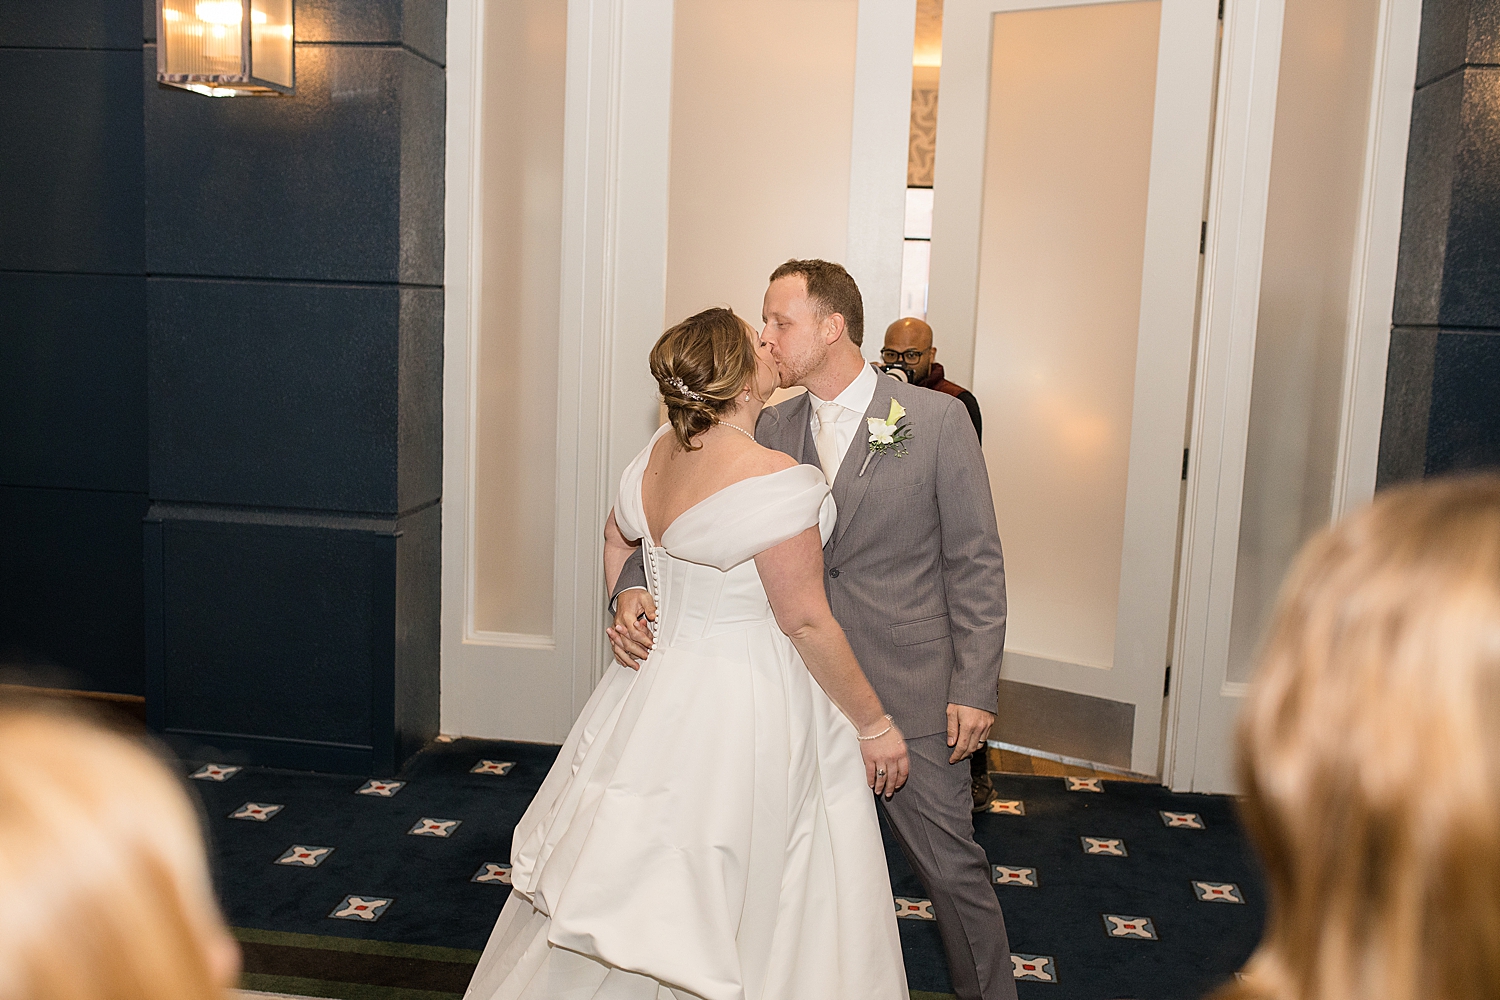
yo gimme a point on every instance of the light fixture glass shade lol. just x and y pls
(204, 46)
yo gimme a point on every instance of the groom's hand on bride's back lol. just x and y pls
(630, 635)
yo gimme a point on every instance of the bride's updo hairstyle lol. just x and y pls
(701, 365)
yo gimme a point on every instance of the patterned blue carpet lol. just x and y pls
(386, 890)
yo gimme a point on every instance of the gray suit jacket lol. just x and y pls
(915, 573)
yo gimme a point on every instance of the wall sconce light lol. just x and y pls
(202, 46)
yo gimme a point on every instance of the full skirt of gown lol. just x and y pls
(706, 832)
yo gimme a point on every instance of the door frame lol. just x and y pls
(1180, 144)
(1203, 703)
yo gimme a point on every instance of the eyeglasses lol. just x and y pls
(890, 357)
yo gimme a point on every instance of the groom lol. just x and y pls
(915, 577)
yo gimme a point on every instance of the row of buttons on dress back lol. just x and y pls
(655, 582)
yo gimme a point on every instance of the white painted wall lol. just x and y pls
(560, 227)
(762, 100)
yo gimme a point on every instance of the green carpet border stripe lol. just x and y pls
(393, 949)
(919, 995)
(298, 986)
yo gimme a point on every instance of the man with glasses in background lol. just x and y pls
(908, 346)
(908, 354)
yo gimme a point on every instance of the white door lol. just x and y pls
(1071, 165)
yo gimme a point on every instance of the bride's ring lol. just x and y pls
(880, 770)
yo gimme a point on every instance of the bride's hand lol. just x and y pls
(630, 635)
(886, 763)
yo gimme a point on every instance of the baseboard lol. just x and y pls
(270, 751)
(26, 690)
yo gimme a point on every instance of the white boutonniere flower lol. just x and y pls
(888, 435)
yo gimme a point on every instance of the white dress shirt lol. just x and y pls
(855, 399)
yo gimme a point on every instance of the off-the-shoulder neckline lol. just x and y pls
(640, 493)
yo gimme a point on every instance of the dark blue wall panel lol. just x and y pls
(72, 343)
(71, 24)
(306, 187)
(1463, 429)
(296, 639)
(290, 395)
(71, 604)
(70, 162)
(268, 624)
(233, 307)
(295, 255)
(274, 394)
(73, 381)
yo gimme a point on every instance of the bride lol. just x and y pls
(708, 830)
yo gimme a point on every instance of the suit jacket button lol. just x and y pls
(834, 572)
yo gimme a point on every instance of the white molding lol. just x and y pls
(612, 286)
(1204, 701)
(885, 39)
(1250, 62)
(634, 290)
(511, 640)
(614, 291)
(460, 307)
(1372, 293)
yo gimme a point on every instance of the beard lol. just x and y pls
(794, 368)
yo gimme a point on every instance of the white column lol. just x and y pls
(877, 160)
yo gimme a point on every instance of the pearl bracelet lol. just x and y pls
(877, 736)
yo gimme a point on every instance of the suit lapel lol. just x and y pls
(786, 428)
(806, 451)
(849, 487)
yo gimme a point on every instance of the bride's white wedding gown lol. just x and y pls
(706, 831)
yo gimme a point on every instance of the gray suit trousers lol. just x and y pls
(932, 821)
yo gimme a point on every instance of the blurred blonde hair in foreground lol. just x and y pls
(1369, 751)
(104, 887)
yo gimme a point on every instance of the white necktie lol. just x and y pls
(827, 440)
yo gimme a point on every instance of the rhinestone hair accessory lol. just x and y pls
(683, 390)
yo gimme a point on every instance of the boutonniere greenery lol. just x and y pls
(888, 435)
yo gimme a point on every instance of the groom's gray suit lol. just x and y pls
(916, 578)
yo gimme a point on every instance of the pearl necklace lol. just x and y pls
(725, 423)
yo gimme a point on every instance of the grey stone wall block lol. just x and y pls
(1463, 429)
(273, 394)
(421, 25)
(419, 457)
(302, 187)
(1408, 403)
(1456, 33)
(293, 639)
(1430, 162)
(1471, 270)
